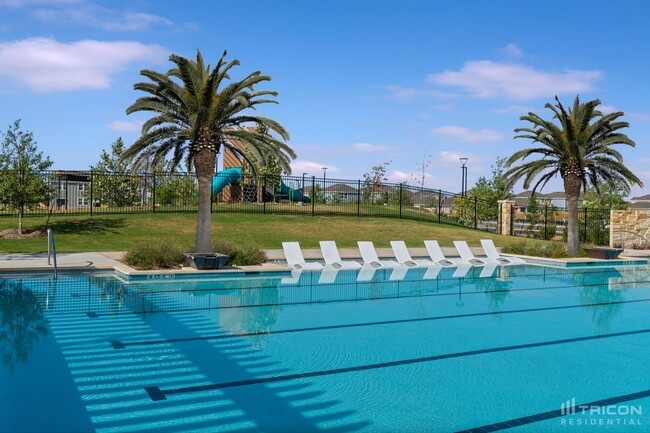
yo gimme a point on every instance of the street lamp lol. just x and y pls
(324, 171)
(302, 185)
(463, 181)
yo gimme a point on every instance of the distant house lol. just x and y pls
(340, 193)
(642, 202)
(522, 200)
(71, 189)
(557, 199)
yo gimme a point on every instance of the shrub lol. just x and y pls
(159, 254)
(245, 256)
(539, 249)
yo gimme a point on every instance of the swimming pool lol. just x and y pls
(519, 348)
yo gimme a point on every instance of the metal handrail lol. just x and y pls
(51, 246)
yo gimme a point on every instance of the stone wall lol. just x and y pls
(628, 228)
(505, 219)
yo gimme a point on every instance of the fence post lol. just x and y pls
(512, 220)
(400, 200)
(313, 193)
(546, 221)
(358, 198)
(153, 193)
(264, 190)
(439, 205)
(585, 225)
(92, 202)
(475, 212)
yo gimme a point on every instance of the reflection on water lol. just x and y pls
(21, 323)
(594, 289)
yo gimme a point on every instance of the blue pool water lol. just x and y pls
(520, 348)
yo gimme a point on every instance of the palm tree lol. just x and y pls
(195, 117)
(579, 149)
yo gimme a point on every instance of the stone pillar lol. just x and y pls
(505, 216)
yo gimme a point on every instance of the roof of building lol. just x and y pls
(641, 198)
(340, 187)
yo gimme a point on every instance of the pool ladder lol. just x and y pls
(51, 250)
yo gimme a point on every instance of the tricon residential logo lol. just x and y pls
(594, 415)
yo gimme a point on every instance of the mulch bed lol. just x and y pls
(13, 234)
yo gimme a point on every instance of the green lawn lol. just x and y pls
(118, 232)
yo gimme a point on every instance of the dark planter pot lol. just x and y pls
(603, 253)
(204, 262)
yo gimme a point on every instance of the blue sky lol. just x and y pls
(360, 82)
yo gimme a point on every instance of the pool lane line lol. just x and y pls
(119, 345)
(544, 416)
(157, 394)
(398, 296)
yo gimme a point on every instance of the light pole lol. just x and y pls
(324, 171)
(463, 181)
(302, 185)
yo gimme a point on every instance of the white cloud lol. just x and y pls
(367, 147)
(443, 107)
(26, 3)
(487, 79)
(402, 93)
(517, 109)
(513, 51)
(640, 116)
(606, 109)
(408, 93)
(125, 126)
(311, 168)
(107, 19)
(46, 65)
(466, 135)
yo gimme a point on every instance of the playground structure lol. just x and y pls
(235, 186)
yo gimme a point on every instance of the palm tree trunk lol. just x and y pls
(572, 184)
(204, 163)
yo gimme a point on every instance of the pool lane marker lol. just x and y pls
(556, 413)
(116, 344)
(157, 394)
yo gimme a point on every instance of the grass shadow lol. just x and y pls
(96, 225)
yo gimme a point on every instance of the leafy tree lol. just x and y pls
(22, 183)
(487, 193)
(172, 188)
(609, 197)
(394, 196)
(579, 149)
(373, 182)
(113, 185)
(21, 323)
(194, 116)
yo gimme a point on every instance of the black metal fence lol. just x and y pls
(93, 193)
(549, 222)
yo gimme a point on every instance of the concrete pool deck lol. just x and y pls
(110, 260)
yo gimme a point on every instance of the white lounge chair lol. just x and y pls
(333, 259)
(293, 254)
(488, 270)
(436, 254)
(432, 272)
(467, 255)
(461, 270)
(328, 275)
(369, 256)
(493, 254)
(295, 277)
(404, 257)
(398, 273)
(366, 273)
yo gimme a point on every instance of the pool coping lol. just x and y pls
(109, 261)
